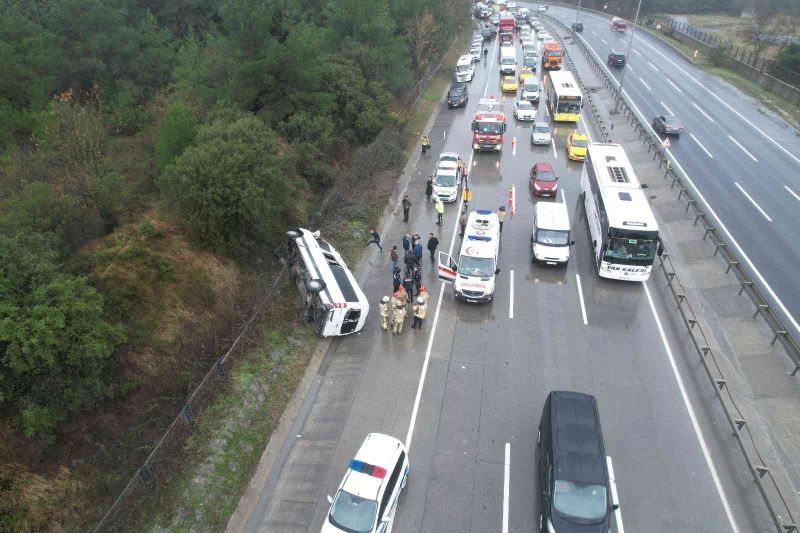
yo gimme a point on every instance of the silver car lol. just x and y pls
(540, 133)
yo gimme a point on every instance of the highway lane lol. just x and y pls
(761, 211)
(488, 375)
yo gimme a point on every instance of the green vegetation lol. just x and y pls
(151, 154)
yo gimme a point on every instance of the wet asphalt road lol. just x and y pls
(488, 375)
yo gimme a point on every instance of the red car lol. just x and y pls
(543, 180)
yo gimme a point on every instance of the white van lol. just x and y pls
(330, 298)
(465, 70)
(508, 61)
(550, 238)
(531, 89)
(473, 276)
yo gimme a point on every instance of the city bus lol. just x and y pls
(564, 98)
(330, 298)
(623, 229)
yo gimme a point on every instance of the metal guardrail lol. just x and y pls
(776, 503)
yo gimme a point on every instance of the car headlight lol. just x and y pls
(536, 187)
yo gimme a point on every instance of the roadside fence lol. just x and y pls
(164, 460)
(774, 499)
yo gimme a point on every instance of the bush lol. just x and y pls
(54, 342)
(789, 57)
(719, 57)
(230, 188)
(176, 134)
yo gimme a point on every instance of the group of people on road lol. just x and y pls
(393, 310)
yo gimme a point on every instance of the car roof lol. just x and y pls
(542, 166)
(446, 165)
(466, 58)
(377, 450)
(578, 443)
(525, 102)
(506, 78)
(540, 124)
(580, 136)
(552, 215)
(448, 155)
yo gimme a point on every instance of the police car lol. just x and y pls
(473, 275)
(367, 497)
(447, 177)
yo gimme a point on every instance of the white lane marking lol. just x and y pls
(674, 86)
(580, 297)
(629, 66)
(553, 144)
(703, 112)
(702, 198)
(652, 66)
(792, 192)
(695, 425)
(593, 33)
(752, 201)
(612, 480)
(701, 146)
(604, 41)
(645, 84)
(723, 102)
(511, 299)
(668, 110)
(506, 476)
(635, 51)
(743, 148)
(514, 145)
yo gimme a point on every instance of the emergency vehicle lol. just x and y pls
(488, 125)
(473, 275)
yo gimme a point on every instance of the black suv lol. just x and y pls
(458, 95)
(577, 27)
(616, 59)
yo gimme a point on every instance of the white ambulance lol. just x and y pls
(473, 275)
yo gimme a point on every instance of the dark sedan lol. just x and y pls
(458, 95)
(668, 125)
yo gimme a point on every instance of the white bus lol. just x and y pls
(623, 229)
(330, 298)
(564, 98)
(473, 276)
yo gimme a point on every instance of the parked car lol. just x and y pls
(540, 133)
(458, 95)
(544, 181)
(668, 125)
(524, 110)
(616, 59)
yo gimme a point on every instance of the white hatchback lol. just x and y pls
(524, 110)
(367, 497)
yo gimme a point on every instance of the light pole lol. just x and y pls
(627, 55)
(577, 13)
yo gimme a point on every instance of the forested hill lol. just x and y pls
(151, 153)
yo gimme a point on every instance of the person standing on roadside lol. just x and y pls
(439, 206)
(409, 260)
(376, 240)
(397, 279)
(462, 221)
(408, 285)
(467, 196)
(406, 242)
(433, 243)
(406, 207)
(398, 317)
(383, 307)
(394, 256)
(426, 144)
(419, 309)
(501, 215)
(429, 188)
(416, 277)
(418, 251)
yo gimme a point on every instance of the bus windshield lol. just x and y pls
(634, 251)
(568, 106)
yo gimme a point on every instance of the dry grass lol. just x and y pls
(730, 28)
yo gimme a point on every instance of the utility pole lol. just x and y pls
(627, 56)
(577, 13)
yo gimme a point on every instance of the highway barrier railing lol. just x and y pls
(776, 502)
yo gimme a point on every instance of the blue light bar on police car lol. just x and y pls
(484, 211)
(479, 238)
(366, 468)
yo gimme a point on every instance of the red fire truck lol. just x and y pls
(507, 24)
(488, 126)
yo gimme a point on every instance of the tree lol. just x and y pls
(176, 134)
(55, 344)
(789, 57)
(230, 188)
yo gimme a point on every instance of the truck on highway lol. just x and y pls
(473, 275)
(619, 25)
(507, 24)
(488, 126)
(551, 55)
